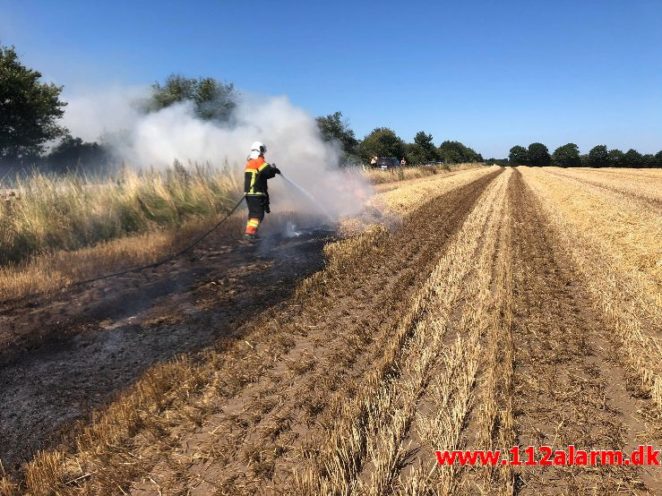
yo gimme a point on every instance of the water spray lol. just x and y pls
(309, 196)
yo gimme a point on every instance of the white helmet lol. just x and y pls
(258, 147)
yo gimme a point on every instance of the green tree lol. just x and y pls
(539, 155)
(212, 99)
(567, 156)
(518, 155)
(426, 142)
(381, 142)
(649, 160)
(333, 127)
(74, 154)
(633, 158)
(422, 150)
(658, 159)
(583, 159)
(29, 109)
(616, 158)
(454, 152)
(598, 156)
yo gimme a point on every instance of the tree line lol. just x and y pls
(384, 142)
(568, 155)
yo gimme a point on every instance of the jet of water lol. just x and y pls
(310, 197)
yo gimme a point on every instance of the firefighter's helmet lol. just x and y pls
(258, 147)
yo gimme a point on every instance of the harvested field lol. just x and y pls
(636, 186)
(568, 386)
(485, 308)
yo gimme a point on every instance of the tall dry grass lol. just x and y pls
(617, 246)
(51, 272)
(44, 214)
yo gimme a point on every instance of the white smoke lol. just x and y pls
(92, 115)
(175, 133)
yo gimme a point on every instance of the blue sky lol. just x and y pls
(489, 73)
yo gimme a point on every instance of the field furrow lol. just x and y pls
(381, 416)
(617, 248)
(567, 387)
(457, 409)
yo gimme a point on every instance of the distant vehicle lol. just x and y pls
(387, 162)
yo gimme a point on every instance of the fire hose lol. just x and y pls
(178, 253)
(151, 265)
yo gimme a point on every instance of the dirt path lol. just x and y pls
(567, 388)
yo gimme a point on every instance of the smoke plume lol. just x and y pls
(175, 133)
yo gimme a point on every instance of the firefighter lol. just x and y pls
(256, 174)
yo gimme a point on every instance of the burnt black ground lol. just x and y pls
(93, 342)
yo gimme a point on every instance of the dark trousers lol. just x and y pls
(257, 207)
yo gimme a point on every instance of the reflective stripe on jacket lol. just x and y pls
(256, 173)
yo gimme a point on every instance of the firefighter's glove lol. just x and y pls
(276, 169)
